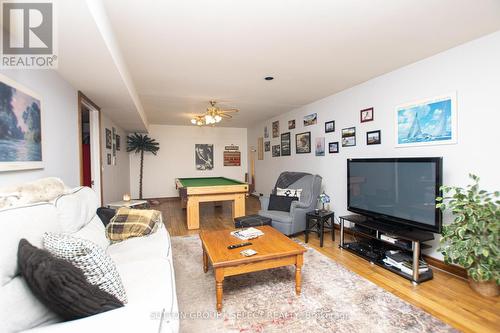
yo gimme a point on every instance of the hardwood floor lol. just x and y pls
(447, 297)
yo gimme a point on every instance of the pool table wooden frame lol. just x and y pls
(197, 194)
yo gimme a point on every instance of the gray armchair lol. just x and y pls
(294, 221)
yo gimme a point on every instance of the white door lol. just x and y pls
(95, 152)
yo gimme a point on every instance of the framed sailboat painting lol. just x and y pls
(431, 121)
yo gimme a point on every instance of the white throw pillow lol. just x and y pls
(289, 192)
(97, 266)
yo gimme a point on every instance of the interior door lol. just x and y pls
(95, 152)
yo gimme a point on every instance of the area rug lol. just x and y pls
(333, 299)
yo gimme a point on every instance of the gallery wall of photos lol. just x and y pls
(279, 138)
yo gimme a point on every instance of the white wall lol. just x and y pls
(472, 69)
(176, 157)
(59, 127)
(116, 178)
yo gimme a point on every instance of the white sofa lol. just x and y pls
(144, 263)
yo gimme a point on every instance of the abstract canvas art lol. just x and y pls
(204, 156)
(428, 122)
(20, 127)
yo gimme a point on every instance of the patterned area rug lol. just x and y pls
(333, 299)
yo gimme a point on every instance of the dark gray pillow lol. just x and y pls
(105, 214)
(61, 286)
(281, 203)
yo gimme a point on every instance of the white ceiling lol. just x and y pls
(180, 54)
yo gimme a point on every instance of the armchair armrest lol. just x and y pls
(264, 202)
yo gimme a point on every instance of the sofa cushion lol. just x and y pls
(20, 309)
(156, 245)
(61, 286)
(281, 203)
(98, 267)
(28, 222)
(94, 232)
(76, 208)
(276, 215)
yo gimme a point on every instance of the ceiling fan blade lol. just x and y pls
(223, 115)
(229, 110)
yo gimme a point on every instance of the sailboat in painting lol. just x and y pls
(425, 123)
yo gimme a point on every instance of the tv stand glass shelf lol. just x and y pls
(382, 237)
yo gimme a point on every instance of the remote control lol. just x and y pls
(235, 246)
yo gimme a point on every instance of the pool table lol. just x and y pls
(193, 191)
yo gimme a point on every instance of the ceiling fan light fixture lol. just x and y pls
(193, 121)
(217, 118)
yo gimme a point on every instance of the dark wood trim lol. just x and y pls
(436, 263)
(82, 98)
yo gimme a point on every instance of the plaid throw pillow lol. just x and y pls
(129, 223)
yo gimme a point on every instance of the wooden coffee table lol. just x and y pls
(274, 250)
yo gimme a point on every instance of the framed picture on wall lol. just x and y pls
(276, 150)
(366, 115)
(349, 137)
(373, 138)
(285, 144)
(276, 129)
(204, 156)
(310, 119)
(320, 147)
(303, 143)
(118, 142)
(333, 147)
(108, 158)
(266, 132)
(108, 138)
(20, 127)
(330, 126)
(432, 121)
(267, 145)
(291, 124)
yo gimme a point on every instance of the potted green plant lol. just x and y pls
(472, 239)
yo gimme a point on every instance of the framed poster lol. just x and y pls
(285, 144)
(20, 127)
(108, 138)
(303, 143)
(204, 156)
(267, 146)
(291, 124)
(431, 121)
(320, 147)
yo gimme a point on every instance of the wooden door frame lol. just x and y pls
(84, 99)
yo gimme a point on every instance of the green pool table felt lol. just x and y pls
(208, 181)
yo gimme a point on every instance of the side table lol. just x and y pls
(317, 222)
(129, 204)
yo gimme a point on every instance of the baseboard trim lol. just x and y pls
(436, 263)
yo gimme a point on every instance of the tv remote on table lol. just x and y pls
(235, 246)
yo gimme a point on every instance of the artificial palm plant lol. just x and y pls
(140, 143)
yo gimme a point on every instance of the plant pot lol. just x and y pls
(485, 288)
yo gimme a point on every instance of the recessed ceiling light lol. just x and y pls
(269, 78)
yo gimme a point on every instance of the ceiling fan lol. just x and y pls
(213, 115)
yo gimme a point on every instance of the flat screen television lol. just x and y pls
(399, 191)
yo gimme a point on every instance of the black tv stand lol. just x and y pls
(411, 241)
